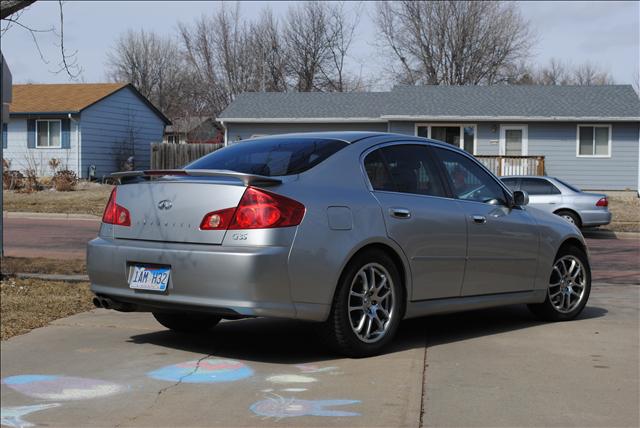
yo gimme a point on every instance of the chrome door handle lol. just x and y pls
(400, 212)
(480, 219)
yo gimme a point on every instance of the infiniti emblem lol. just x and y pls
(165, 204)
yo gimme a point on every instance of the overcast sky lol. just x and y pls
(605, 33)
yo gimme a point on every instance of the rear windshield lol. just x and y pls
(570, 186)
(270, 157)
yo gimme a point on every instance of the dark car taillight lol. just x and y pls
(602, 202)
(114, 213)
(258, 209)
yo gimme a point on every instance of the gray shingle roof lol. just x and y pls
(613, 101)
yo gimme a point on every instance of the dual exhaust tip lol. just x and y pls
(107, 303)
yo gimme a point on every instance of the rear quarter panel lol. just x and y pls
(321, 250)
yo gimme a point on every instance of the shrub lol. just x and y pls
(12, 180)
(65, 180)
(30, 181)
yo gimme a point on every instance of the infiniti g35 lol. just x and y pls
(353, 230)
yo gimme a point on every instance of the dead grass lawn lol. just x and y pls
(90, 198)
(29, 303)
(626, 214)
(13, 265)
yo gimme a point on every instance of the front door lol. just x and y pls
(513, 142)
(502, 248)
(428, 226)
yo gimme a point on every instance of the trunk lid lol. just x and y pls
(171, 210)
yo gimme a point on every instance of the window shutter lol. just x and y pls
(4, 136)
(66, 134)
(31, 133)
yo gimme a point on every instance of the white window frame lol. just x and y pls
(59, 146)
(502, 143)
(600, 125)
(459, 125)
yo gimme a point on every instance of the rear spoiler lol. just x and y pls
(247, 179)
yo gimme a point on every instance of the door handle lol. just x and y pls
(479, 219)
(400, 212)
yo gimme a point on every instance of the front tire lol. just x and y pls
(569, 287)
(186, 323)
(368, 305)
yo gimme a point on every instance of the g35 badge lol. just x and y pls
(239, 236)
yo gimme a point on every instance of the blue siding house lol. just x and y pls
(588, 135)
(88, 127)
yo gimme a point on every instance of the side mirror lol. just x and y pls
(520, 198)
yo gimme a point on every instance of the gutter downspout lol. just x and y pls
(225, 132)
(78, 163)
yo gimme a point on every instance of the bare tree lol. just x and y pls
(306, 44)
(10, 13)
(269, 52)
(589, 74)
(155, 66)
(555, 73)
(453, 42)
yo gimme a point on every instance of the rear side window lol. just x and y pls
(538, 186)
(405, 168)
(270, 156)
(511, 183)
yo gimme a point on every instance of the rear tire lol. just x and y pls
(367, 307)
(571, 217)
(569, 287)
(186, 323)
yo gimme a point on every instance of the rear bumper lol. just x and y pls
(595, 217)
(247, 281)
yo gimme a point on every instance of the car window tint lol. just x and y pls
(270, 156)
(404, 168)
(538, 186)
(468, 180)
(377, 172)
(570, 186)
(511, 183)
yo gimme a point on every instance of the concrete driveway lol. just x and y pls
(485, 368)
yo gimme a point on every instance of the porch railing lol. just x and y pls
(514, 165)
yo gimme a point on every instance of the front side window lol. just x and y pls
(594, 140)
(271, 157)
(538, 186)
(404, 168)
(469, 181)
(458, 135)
(48, 133)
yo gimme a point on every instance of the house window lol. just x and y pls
(459, 135)
(48, 134)
(594, 140)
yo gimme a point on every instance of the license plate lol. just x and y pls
(150, 278)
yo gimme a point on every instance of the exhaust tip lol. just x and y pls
(96, 302)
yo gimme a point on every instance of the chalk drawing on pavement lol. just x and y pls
(290, 378)
(281, 407)
(312, 368)
(210, 370)
(12, 416)
(57, 388)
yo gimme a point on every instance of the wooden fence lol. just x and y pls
(172, 156)
(513, 165)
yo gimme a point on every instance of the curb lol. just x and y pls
(53, 277)
(49, 216)
(608, 234)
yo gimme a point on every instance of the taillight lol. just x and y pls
(602, 202)
(114, 213)
(258, 209)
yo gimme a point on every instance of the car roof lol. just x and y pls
(356, 136)
(546, 177)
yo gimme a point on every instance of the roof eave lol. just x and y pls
(42, 113)
(299, 119)
(421, 118)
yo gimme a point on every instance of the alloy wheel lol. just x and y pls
(567, 284)
(372, 302)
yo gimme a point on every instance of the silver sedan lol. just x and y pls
(353, 230)
(558, 197)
